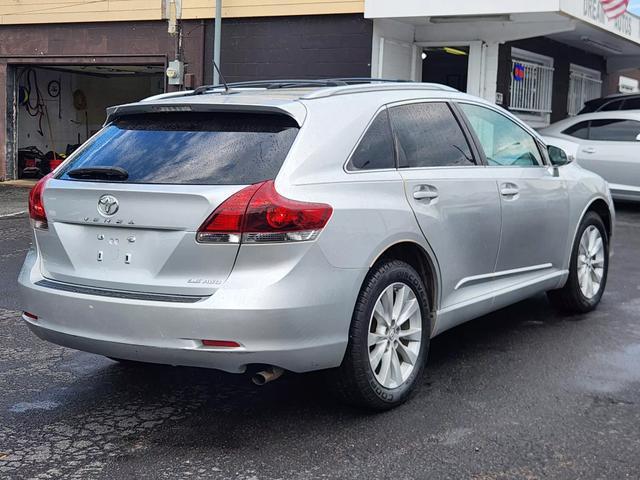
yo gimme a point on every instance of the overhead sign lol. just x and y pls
(614, 17)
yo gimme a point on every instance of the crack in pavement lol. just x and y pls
(70, 440)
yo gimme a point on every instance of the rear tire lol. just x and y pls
(387, 347)
(588, 269)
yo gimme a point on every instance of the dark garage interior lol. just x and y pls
(59, 107)
(446, 65)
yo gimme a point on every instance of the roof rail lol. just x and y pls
(360, 80)
(273, 84)
(373, 87)
(325, 87)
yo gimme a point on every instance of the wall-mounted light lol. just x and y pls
(601, 45)
(454, 51)
(424, 55)
(470, 18)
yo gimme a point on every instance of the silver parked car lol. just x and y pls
(607, 143)
(307, 226)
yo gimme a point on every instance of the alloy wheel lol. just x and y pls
(590, 262)
(395, 335)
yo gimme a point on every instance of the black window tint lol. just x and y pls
(591, 106)
(375, 150)
(612, 106)
(579, 130)
(614, 130)
(192, 148)
(429, 136)
(632, 104)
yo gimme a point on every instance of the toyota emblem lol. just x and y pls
(108, 205)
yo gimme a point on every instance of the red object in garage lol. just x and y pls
(55, 163)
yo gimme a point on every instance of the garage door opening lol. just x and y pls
(59, 108)
(446, 65)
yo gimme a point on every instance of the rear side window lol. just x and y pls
(579, 130)
(614, 130)
(429, 136)
(191, 148)
(590, 106)
(631, 104)
(375, 150)
(612, 106)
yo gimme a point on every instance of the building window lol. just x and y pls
(531, 87)
(584, 85)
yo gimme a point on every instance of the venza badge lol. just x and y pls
(108, 205)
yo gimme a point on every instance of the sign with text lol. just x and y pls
(616, 19)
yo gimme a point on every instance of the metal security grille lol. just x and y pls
(582, 88)
(532, 93)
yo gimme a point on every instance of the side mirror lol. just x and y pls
(558, 156)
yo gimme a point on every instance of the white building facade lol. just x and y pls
(542, 60)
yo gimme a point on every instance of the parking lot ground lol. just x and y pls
(13, 199)
(523, 393)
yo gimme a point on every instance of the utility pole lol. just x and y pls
(172, 11)
(216, 41)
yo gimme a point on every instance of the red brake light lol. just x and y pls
(269, 211)
(258, 214)
(37, 212)
(220, 343)
(225, 223)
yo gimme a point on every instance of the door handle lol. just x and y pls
(425, 192)
(509, 190)
(589, 150)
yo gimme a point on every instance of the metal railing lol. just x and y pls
(532, 93)
(582, 88)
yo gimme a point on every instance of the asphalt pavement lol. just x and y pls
(523, 393)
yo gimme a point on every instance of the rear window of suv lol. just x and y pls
(191, 148)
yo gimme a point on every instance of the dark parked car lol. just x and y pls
(620, 101)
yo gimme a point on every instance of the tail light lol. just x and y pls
(259, 214)
(37, 212)
(220, 343)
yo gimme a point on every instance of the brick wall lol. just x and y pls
(317, 46)
(611, 83)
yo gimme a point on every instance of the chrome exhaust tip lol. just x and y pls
(265, 376)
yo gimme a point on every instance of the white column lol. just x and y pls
(393, 53)
(474, 72)
(489, 71)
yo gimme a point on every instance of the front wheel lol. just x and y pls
(588, 269)
(388, 338)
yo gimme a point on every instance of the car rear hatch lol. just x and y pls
(123, 213)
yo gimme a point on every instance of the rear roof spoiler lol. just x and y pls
(295, 110)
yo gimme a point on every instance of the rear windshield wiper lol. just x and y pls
(99, 173)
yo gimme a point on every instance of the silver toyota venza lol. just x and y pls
(307, 225)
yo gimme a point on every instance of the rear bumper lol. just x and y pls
(298, 321)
